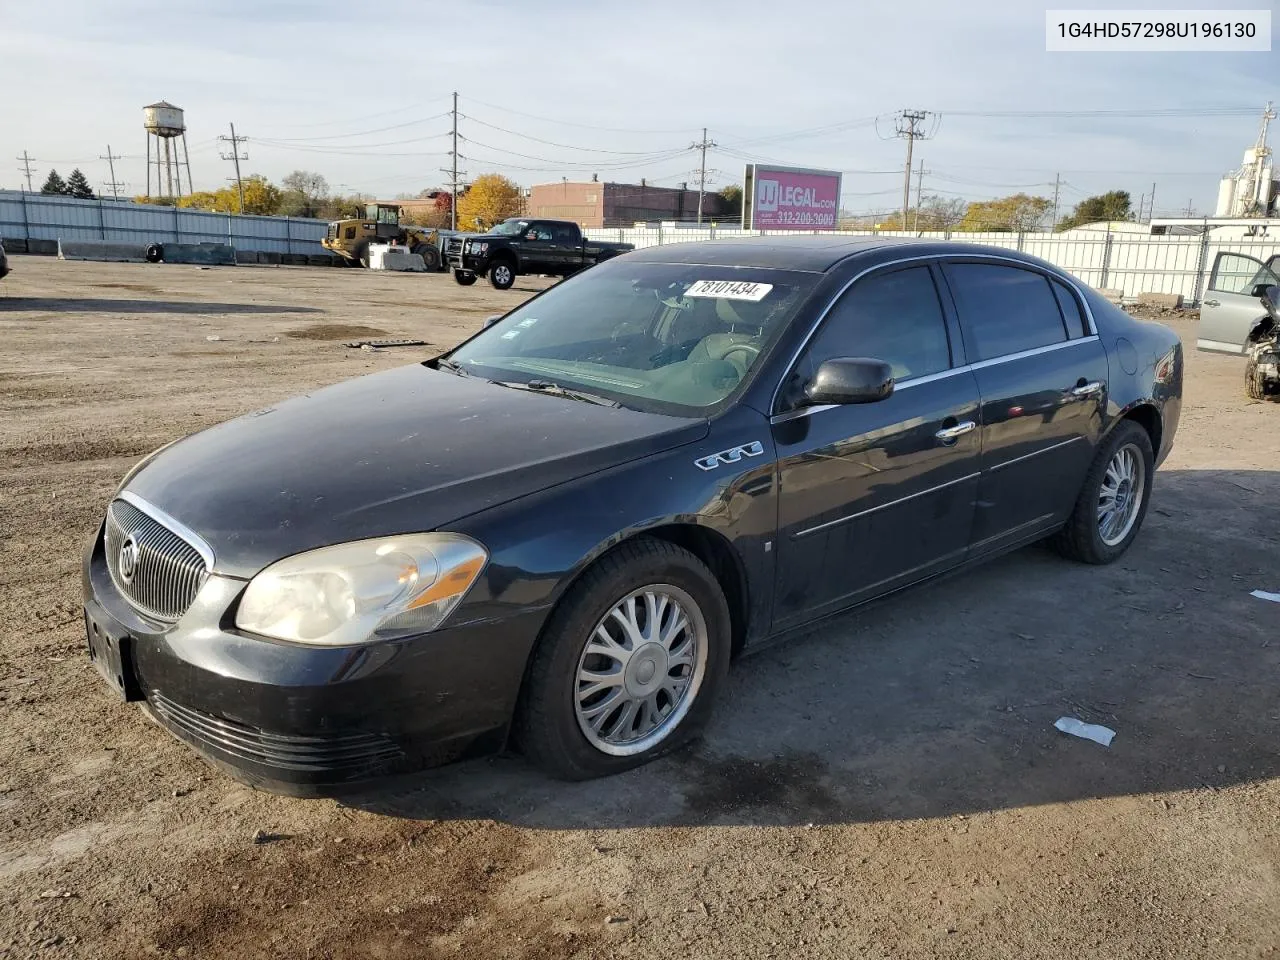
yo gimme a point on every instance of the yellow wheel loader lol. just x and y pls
(350, 239)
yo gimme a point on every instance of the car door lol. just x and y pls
(1229, 309)
(873, 496)
(1042, 377)
(538, 249)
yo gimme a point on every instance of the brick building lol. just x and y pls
(596, 204)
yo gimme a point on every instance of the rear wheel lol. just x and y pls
(1113, 499)
(629, 665)
(464, 278)
(502, 274)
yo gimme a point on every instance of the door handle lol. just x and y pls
(1087, 389)
(947, 434)
(1212, 303)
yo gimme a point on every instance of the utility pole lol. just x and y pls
(453, 171)
(1057, 185)
(1152, 201)
(908, 128)
(702, 146)
(26, 168)
(114, 184)
(919, 185)
(236, 157)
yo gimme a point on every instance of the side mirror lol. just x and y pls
(490, 321)
(849, 380)
(1270, 293)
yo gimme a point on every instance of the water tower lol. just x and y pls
(164, 124)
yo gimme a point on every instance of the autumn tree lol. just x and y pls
(78, 186)
(1014, 214)
(261, 197)
(491, 199)
(1112, 205)
(54, 185)
(435, 216)
(934, 214)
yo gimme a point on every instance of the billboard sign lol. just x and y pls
(790, 198)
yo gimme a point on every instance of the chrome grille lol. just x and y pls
(168, 572)
(453, 245)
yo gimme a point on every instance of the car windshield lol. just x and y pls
(509, 228)
(671, 338)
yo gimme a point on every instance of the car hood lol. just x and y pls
(410, 449)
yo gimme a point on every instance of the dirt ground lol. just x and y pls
(890, 785)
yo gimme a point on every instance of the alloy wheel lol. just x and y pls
(640, 670)
(1121, 493)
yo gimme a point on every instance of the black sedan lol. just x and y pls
(560, 533)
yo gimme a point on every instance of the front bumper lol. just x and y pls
(471, 263)
(310, 720)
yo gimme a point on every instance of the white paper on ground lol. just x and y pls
(1263, 595)
(1090, 731)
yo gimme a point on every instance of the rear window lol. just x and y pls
(1004, 310)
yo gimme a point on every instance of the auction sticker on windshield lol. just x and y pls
(729, 290)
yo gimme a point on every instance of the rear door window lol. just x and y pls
(1003, 309)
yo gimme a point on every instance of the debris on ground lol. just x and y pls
(1264, 595)
(373, 344)
(1088, 731)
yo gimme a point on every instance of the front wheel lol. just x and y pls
(464, 278)
(502, 275)
(628, 666)
(1113, 499)
(430, 256)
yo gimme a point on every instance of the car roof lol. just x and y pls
(815, 253)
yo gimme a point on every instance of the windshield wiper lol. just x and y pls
(546, 386)
(452, 366)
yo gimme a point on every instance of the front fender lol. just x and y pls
(540, 545)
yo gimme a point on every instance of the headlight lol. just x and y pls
(475, 247)
(364, 591)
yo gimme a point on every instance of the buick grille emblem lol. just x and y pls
(128, 559)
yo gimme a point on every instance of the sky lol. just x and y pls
(565, 88)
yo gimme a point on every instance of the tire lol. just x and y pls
(155, 253)
(502, 274)
(464, 278)
(1083, 538)
(551, 728)
(430, 256)
(362, 255)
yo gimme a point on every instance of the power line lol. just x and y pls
(552, 143)
(570, 123)
(236, 157)
(362, 133)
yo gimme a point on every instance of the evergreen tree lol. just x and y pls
(55, 184)
(78, 186)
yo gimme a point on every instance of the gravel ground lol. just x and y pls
(889, 785)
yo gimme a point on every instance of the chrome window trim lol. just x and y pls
(940, 258)
(942, 375)
(884, 506)
(176, 526)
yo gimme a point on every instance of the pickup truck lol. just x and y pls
(522, 245)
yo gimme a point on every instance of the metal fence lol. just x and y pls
(1132, 263)
(34, 216)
